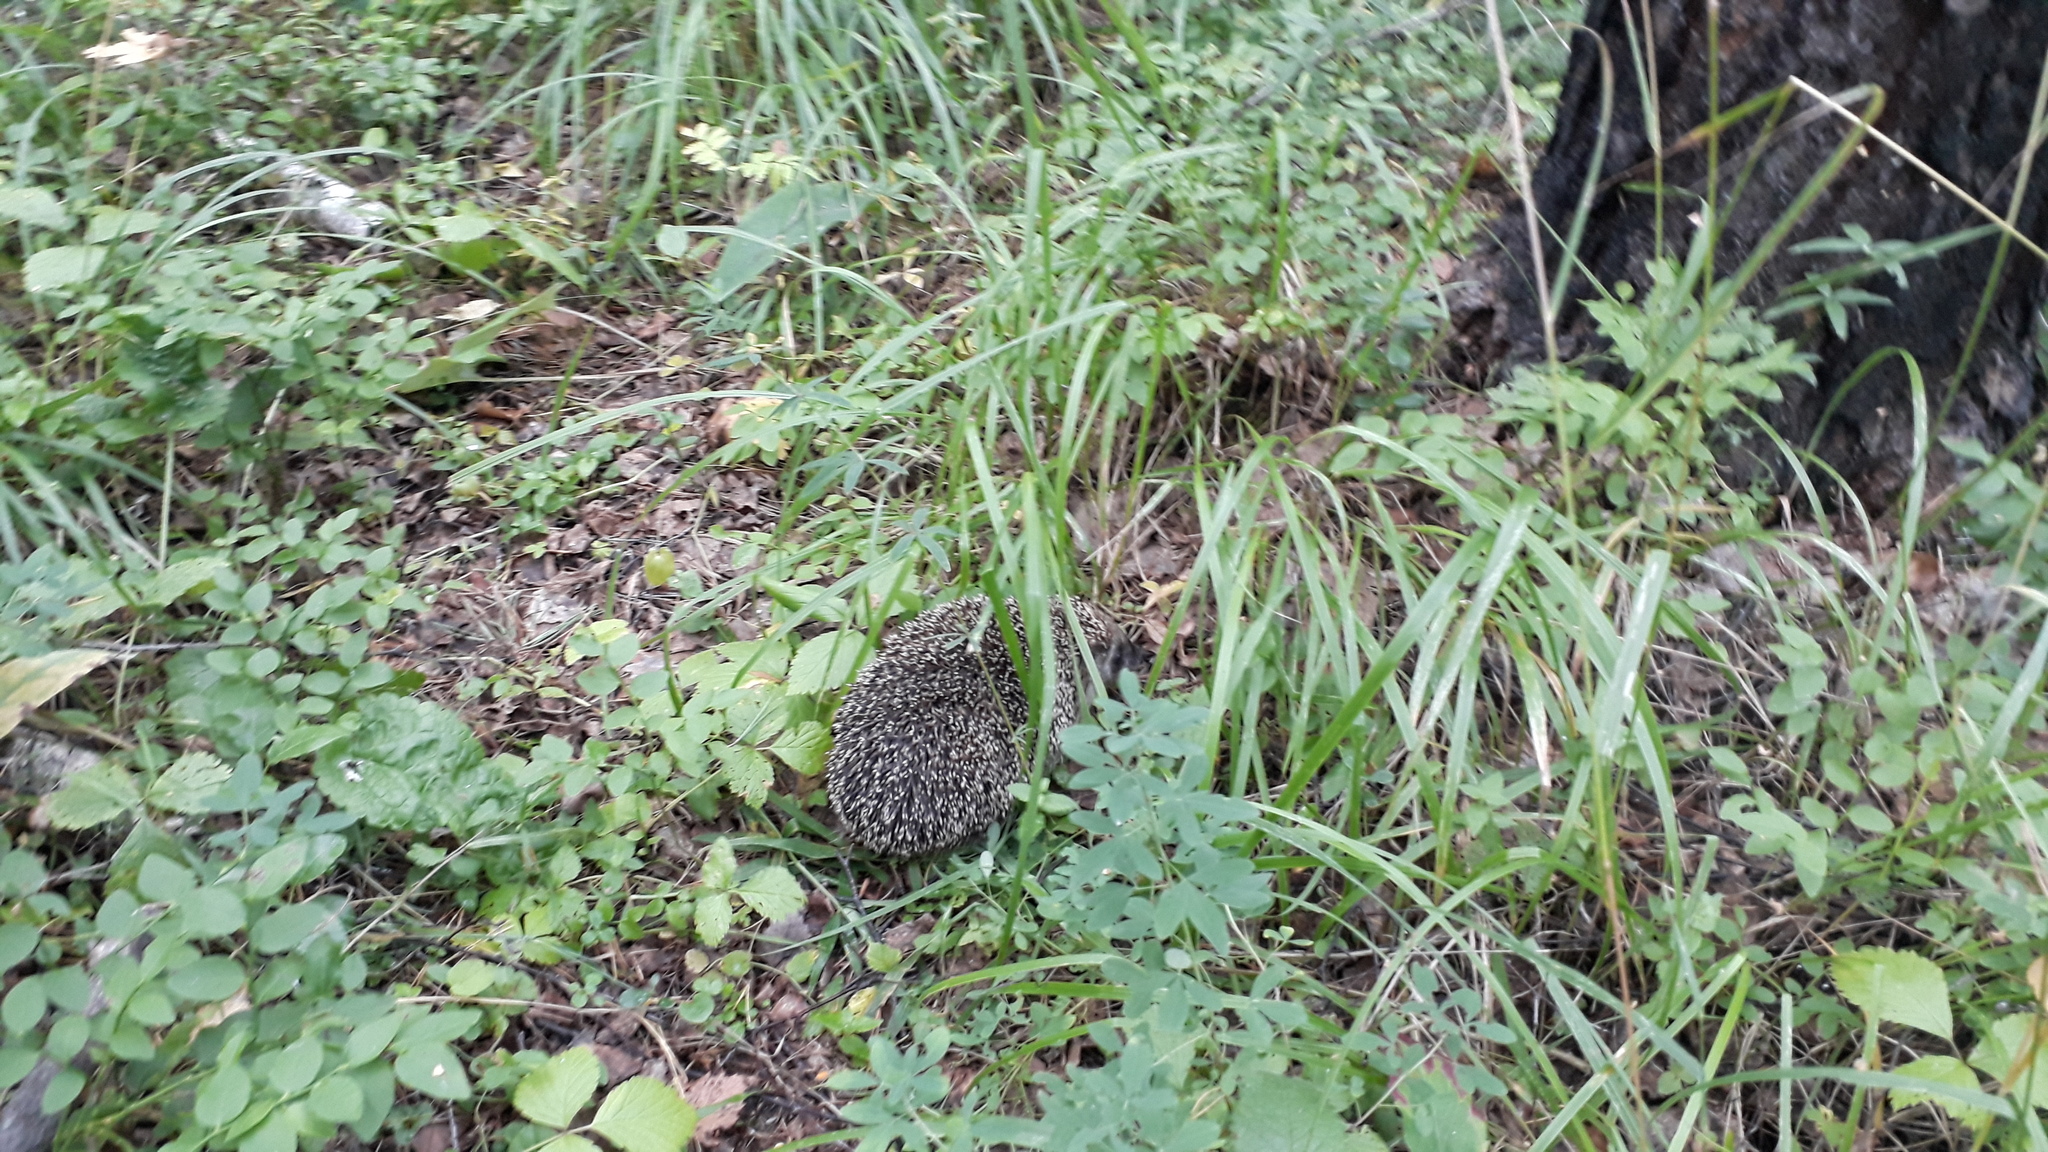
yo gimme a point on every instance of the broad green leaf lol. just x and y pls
(435, 1070)
(57, 267)
(295, 924)
(443, 1027)
(22, 873)
(93, 797)
(66, 1038)
(645, 1115)
(1437, 1118)
(222, 1096)
(63, 1088)
(791, 218)
(1942, 1070)
(208, 979)
(24, 1005)
(209, 913)
(16, 942)
(2015, 1053)
(28, 683)
(825, 662)
(772, 893)
(33, 206)
(1900, 987)
(465, 225)
(279, 1133)
(162, 878)
(189, 783)
(473, 977)
(368, 1041)
(293, 1069)
(569, 1142)
(275, 869)
(555, 1092)
(1285, 1114)
(16, 1063)
(338, 1099)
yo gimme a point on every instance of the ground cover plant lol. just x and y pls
(455, 455)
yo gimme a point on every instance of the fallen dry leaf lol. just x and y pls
(135, 48)
(707, 1093)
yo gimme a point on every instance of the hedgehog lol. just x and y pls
(933, 731)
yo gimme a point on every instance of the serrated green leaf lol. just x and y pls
(189, 783)
(772, 893)
(1899, 987)
(92, 797)
(555, 1092)
(1941, 1070)
(803, 748)
(719, 865)
(747, 773)
(825, 662)
(1278, 1113)
(645, 1115)
(414, 765)
(435, 1070)
(1438, 1118)
(714, 918)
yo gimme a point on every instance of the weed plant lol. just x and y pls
(1507, 777)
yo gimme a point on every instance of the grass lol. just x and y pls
(1505, 777)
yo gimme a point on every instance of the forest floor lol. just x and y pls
(453, 457)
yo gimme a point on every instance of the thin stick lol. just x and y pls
(1507, 94)
(1976, 205)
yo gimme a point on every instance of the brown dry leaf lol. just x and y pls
(2037, 979)
(571, 541)
(707, 1093)
(619, 1064)
(29, 683)
(1925, 573)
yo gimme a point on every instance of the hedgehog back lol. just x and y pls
(931, 734)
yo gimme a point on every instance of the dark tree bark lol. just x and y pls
(1960, 82)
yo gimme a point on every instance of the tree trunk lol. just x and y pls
(1959, 83)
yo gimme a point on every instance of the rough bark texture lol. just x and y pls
(1960, 80)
